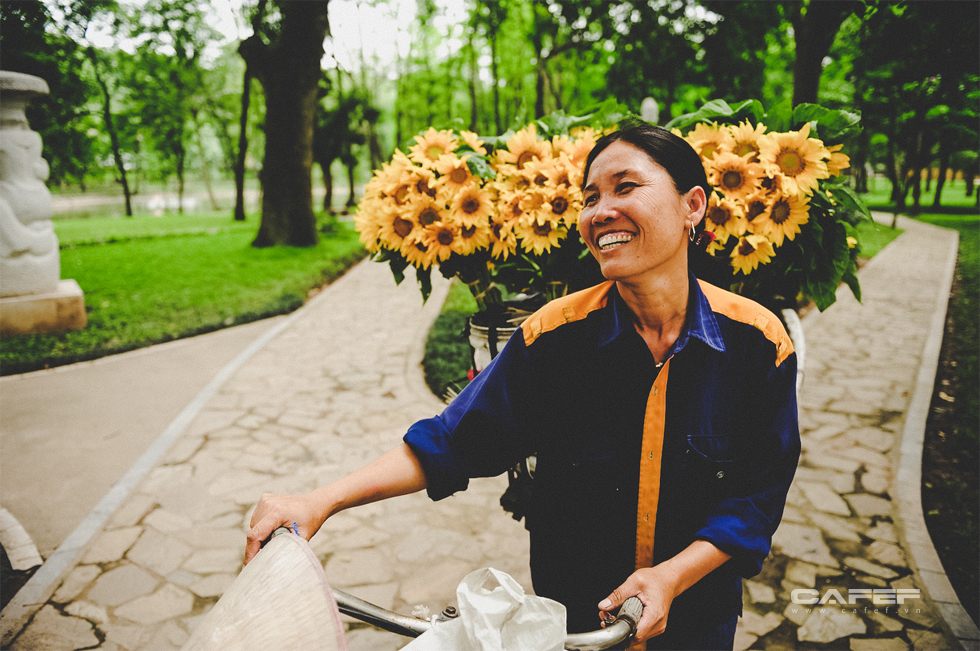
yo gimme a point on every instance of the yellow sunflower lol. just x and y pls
(425, 213)
(756, 205)
(431, 145)
(472, 206)
(784, 218)
(708, 139)
(733, 175)
(838, 161)
(538, 233)
(472, 238)
(523, 147)
(750, 252)
(724, 217)
(454, 174)
(441, 240)
(368, 224)
(510, 205)
(473, 141)
(745, 140)
(797, 157)
(562, 205)
(503, 240)
(394, 226)
(416, 251)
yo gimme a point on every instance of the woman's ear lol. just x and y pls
(696, 203)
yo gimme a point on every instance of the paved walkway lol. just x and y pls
(339, 382)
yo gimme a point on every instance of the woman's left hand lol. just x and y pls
(656, 588)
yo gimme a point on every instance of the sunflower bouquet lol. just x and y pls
(498, 213)
(781, 218)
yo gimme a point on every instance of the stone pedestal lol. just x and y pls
(32, 296)
(55, 311)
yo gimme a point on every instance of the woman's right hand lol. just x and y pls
(274, 511)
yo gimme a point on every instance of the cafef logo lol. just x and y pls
(878, 596)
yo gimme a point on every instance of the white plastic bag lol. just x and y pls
(495, 614)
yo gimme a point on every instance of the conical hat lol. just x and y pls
(281, 600)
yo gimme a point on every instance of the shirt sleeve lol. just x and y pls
(743, 526)
(483, 431)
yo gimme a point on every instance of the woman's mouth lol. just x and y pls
(610, 241)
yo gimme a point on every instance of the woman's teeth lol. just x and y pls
(612, 240)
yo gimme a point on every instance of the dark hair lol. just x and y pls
(671, 152)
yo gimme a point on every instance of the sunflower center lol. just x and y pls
(719, 216)
(459, 175)
(542, 229)
(515, 208)
(559, 205)
(434, 152)
(745, 248)
(732, 179)
(470, 205)
(401, 194)
(780, 212)
(540, 180)
(423, 187)
(525, 158)
(708, 151)
(428, 216)
(755, 209)
(469, 231)
(744, 149)
(445, 237)
(790, 162)
(421, 247)
(402, 226)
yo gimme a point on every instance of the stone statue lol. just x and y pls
(33, 298)
(29, 258)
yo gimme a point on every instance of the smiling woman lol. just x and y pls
(661, 411)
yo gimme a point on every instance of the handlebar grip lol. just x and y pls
(631, 610)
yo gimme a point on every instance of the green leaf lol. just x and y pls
(480, 166)
(424, 276)
(847, 197)
(833, 125)
(852, 281)
(718, 110)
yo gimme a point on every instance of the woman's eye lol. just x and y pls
(625, 187)
(590, 199)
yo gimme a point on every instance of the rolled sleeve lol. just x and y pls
(482, 432)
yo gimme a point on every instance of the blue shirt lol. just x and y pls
(634, 462)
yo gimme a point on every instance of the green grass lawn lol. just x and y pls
(953, 199)
(107, 230)
(168, 281)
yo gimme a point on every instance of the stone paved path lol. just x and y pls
(341, 384)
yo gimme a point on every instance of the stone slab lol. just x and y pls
(57, 311)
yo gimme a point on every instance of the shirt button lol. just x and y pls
(721, 473)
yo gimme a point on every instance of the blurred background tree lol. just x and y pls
(151, 97)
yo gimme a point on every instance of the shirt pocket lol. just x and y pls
(712, 463)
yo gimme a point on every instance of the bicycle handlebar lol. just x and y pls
(618, 631)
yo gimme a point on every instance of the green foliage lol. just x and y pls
(144, 291)
(718, 110)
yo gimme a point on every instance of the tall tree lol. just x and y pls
(288, 67)
(815, 24)
(239, 168)
(110, 126)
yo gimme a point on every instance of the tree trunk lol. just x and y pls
(289, 71)
(814, 33)
(474, 108)
(941, 179)
(327, 188)
(496, 83)
(111, 128)
(243, 123)
(205, 172)
(351, 200)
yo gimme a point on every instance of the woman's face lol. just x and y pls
(633, 219)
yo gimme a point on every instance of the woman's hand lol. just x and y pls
(656, 588)
(275, 511)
